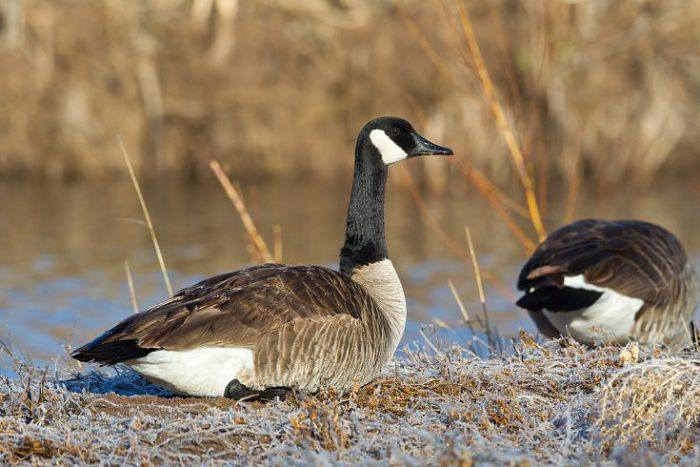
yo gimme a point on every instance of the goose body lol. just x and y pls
(611, 282)
(273, 327)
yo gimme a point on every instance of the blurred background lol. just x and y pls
(556, 110)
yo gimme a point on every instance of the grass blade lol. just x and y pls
(146, 216)
(480, 287)
(132, 292)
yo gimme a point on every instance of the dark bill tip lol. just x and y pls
(427, 148)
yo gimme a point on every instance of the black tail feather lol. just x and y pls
(553, 298)
(109, 353)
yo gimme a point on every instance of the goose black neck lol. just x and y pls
(364, 235)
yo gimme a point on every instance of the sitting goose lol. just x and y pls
(611, 282)
(260, 331)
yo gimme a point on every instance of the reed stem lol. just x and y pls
(504, 126)
(254, 236)
(146, 216)
(480, 286)
(132, 292)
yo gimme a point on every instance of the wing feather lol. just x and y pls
(231, 310)
(634, 258)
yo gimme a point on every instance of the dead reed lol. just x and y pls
(492, 337)
(132, 292)
(147, 218)
(259, 247)
(467, 46)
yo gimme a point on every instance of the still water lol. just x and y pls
(62, 274)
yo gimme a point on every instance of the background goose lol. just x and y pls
(258, 331)
(611, 281)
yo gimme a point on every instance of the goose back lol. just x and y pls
(643, 264)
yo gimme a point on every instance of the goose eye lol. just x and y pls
(395, 131)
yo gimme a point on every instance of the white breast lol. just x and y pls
(204, 371)
(609, 319)
(383, 284)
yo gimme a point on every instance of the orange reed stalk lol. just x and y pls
(504, 126)
(256, 240)
(498, 201)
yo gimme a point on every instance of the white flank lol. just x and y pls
(609, 319)
(390, 151)
(383, 284)
(204, 371)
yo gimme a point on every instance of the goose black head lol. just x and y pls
(394, 139)
(381, 142)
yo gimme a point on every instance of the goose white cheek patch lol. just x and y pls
(390, 151)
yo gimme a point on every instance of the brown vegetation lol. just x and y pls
(553, 403)
(281, 86)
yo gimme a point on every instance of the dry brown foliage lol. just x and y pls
(281, 86)
(545, 403)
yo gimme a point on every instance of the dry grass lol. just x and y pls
(147, 219)
(545, 403)
(132, 292)
(655, 402)
(268, 87)
(258, 247)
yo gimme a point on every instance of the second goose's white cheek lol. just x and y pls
(390, 151)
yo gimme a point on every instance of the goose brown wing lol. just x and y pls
(634, 258)
(231, 310)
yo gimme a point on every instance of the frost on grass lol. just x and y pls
(553, 403)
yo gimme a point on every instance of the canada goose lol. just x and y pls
(611, 282)
(259, 331)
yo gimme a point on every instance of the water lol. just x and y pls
(62, 276)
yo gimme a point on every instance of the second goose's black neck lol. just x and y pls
(364, 235)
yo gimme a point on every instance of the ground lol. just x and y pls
(539, 403)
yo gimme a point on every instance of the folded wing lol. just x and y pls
(231, 310)
(633, 258)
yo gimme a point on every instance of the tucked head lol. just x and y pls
(395, 139)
